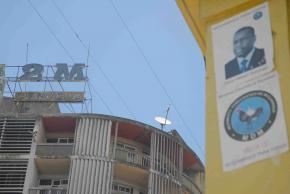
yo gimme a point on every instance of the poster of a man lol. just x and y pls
(247, 56)
(242, 48)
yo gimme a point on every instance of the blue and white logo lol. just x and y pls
(250, 116)
(258, 15)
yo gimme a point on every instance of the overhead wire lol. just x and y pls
(51, 31)
(67, 52)
(95, 61)
(155, 74)
(59, 82)
(70, 108)
(56, 38)
(100, 97)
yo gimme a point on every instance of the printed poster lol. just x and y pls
(242, 47)
(251, 122)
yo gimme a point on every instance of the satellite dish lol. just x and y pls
(162, 120)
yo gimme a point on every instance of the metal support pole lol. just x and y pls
(113, 158)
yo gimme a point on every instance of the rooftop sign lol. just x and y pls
(60, 72)
(49, 96)
(49, 90)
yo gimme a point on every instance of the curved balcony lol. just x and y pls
(54, 149)
(189, 185)
(134, 158)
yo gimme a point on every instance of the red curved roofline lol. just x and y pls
(129, 129)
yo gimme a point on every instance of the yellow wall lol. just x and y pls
(269, 176)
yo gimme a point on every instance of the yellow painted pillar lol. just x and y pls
(268, 176)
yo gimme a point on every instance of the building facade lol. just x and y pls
(88, 154)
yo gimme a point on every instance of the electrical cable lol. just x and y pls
(154, 73)
(58, 40)
(54, 35)
(59, 82)
(50, 30)
(100, 97)
(95, 61)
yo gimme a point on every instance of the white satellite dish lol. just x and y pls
(162, 120)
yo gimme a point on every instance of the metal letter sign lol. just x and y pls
(62, 72)
(34, 72)
(2, 80)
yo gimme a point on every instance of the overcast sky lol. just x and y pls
(143, 56)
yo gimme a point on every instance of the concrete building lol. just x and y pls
(45, 153)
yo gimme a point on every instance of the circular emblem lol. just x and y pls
(258, 15)
(250, 116)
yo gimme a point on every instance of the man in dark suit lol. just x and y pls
(247, 55)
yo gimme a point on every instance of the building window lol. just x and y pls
(45, 182)
(51, 140)
(53, 182)
(56, 183)
(122, 188)
(64, 182)
(60, 140)
(63, 140)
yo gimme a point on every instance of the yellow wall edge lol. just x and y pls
(195, 24)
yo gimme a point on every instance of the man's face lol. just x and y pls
(243, 43)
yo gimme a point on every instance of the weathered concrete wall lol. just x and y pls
(7, 105)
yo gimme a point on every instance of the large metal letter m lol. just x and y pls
(62, 73)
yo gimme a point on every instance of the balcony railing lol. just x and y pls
(123, 192)
(189, 185)
(50, 190)
(54, 149)
(132, 157)
(122, 188)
